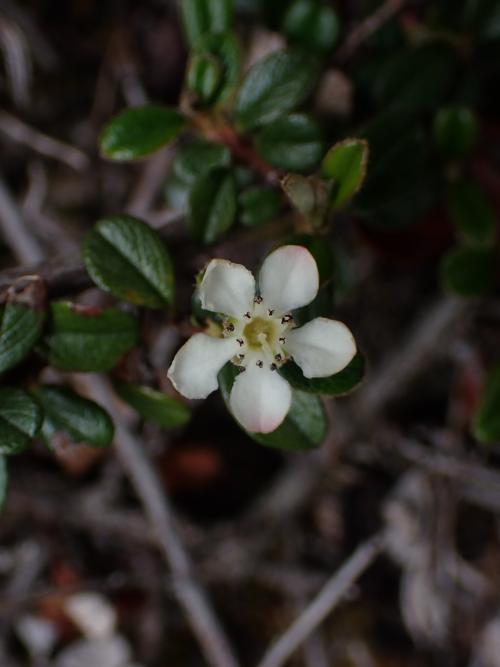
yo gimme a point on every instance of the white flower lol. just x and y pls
(259, 336)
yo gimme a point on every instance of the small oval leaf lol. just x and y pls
(127, 258)
(212, 205)
(273, 86)
(311, 24)
(336, 385)
(87, 339)
(258, 205)
(345, 164)
(82, 420)
(293, 142)
(486, 427)
(200, 17)
(154, 406)
(20, 420)
(140, 131)
(215, 68)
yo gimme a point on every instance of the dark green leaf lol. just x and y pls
(192, 161)
(258, 205)
(345, 164)
(486, 426)
(471, 212)
(127, 258)
(455, 131)
(154, 406)
(303, 428)
(202, 16)
(335, 385)
(215, 68)
(140, 131)
(312, 24)
(20, 420)
(86, 339)
(21, 320)
(4, 480)
(212, 205)
(273, 86)
(82, 420)
(293, 142)
(470, 271)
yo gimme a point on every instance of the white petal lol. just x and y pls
(260, 399)
(227, 288)
(193, 372)
(321, 347)
(289, 278)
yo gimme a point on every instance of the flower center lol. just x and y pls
(259, 331)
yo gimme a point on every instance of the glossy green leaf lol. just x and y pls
(127, 258)
(140, 131)
(4, 480)
(20, 420)
(455, 131)
(204, 16)
(258, 205)
(215, 68)
(273, 86)
(471, 212)
(21, 320)
(154, 406)
(335, 385)
(486, 427)
(212, 205)
(82, 420)
(470, 271)
(87, 339)
(303, 428)
(293, 142)
(345, 164)
(191, 162)
(312, 24)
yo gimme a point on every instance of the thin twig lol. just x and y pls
(153, 175)
(22, 243)
(41, 143)
(329, 596)
(368, 27)
(189, 592)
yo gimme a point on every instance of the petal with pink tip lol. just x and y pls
(227, 288)
(193, 372)
(260, 399)
(321, 347)
(289, 278)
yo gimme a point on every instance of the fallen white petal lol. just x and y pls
(260, 399)
(193, 372)
(289, 278)
(321, 347)
(227, 288)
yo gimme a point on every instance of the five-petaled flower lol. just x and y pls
(259, 336)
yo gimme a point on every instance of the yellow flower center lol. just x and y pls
(260, 331)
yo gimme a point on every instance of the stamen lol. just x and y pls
(240, 342)
(260, 363)
(229, 327)
(248, 316)
(282, 339)
(258, 299)
(270, 312)
(273, 367)
(278, 357)
(241, 356)
(286, 319)
(241, 369)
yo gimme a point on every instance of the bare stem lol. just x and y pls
(329, 596)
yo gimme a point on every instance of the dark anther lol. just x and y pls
(270, 312)
(229, 327)
(260, 363)
(248, 316)
(258, 299)
(278, 357)
(282, 339)
(240, 341)
(241, 356)
(273, 367)
(286, 318)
